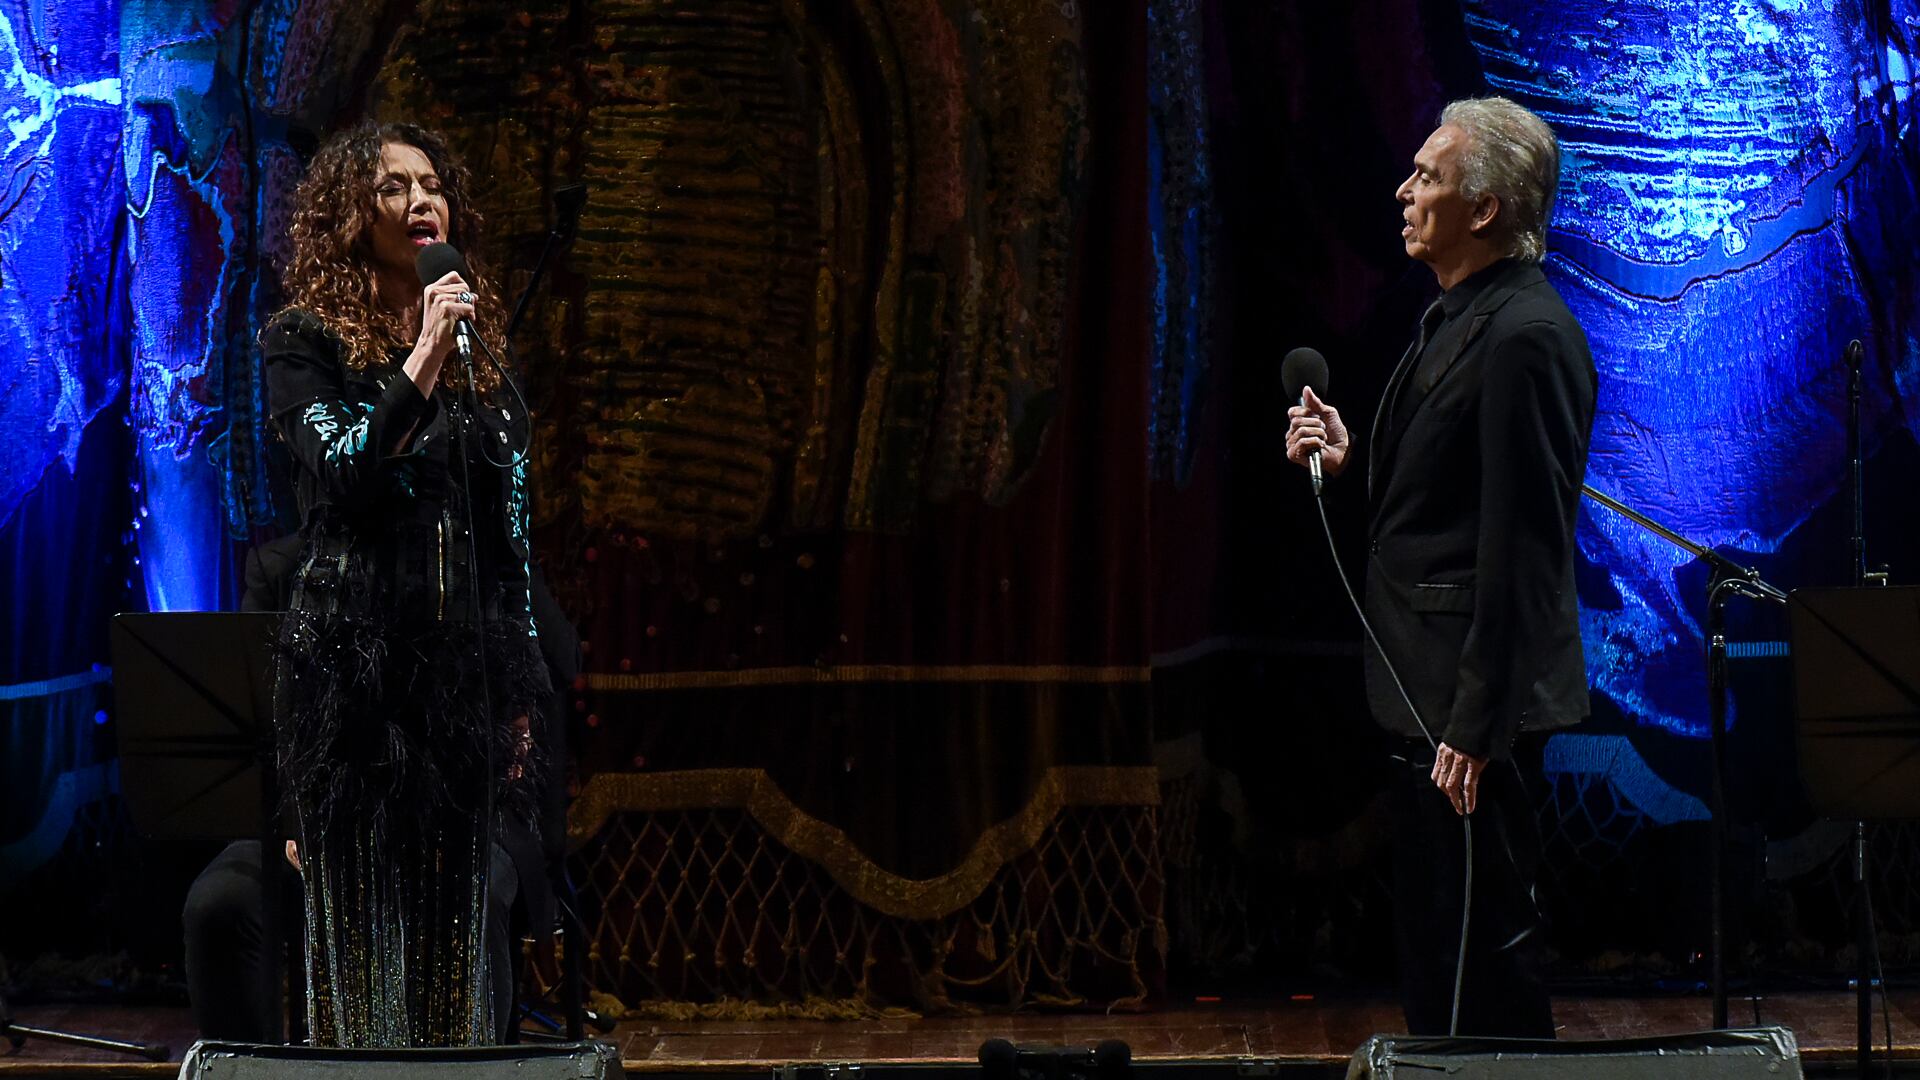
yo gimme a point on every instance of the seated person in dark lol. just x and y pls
(224, 917)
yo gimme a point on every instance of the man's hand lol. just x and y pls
(1457, 775)
(1316, 425)
(293, 854)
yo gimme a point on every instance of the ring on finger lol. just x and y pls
(465, 297)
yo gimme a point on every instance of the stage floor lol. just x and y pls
(1304, 1031)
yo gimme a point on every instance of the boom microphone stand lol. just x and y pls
(568, 201)
(1729, 579)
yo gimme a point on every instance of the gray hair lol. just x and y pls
(1512, 155)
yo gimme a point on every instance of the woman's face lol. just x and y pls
(410, 207)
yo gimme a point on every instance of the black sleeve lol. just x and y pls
(560, 645)
(1530, 437)
(342, 443)
(559, 642)
(516, 570)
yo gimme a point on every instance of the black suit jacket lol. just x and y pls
(1473, 500)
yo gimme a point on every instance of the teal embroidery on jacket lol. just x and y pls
(342, 439)
(321, 421)
(351, 443)
(329, 428)
(518, 517)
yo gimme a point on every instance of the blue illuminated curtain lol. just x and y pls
(1736, 203)
(127, 393)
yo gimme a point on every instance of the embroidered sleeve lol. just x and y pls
(343, 442)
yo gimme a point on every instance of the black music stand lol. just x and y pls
(193, 695)
(1856, 696)
(193, 700)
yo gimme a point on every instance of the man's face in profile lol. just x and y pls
(1437, 218)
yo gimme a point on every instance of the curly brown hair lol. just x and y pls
(330, 274)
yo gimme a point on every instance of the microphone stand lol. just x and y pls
(567, 202)
(1729, 579)
(1866, 945)
(16, 1036)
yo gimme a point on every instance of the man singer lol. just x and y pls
(1474, 466)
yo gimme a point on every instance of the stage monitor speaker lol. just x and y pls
(1758, 1053)
(552, 1061)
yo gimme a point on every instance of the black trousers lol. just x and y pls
(224, 921)
(1503, 993)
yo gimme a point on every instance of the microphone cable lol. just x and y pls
(465, 417)
(1466, 820)
(526, 414)
(519, 455)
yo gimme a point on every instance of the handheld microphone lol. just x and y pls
(1112, 1060)
(436, 261)
(1300, 369)
(1003, 1060)
(999, 1060)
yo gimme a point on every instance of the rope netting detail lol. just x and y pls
(1585, 823)
(705, 907)
(1243, 901)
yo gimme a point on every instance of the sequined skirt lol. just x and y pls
(394, 763)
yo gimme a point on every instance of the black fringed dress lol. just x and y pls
(387, 751)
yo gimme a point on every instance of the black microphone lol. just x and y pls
(1002, 1060)
(436, 261)
(1300, 369)
(1112, 1060)
(999, 1060)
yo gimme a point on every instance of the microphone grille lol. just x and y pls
(436, 261)
(1302, 368)
(998, 1059)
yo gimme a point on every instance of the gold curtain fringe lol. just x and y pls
(755, 792)
(802, 675)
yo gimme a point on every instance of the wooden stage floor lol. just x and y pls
(1303, 1032)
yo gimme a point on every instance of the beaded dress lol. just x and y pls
(386, 750)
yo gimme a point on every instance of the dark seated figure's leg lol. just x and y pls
(225, 962)
(501, 935)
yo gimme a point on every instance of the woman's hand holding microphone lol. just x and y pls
(442, 306)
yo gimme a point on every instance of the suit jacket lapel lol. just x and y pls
(1376, 441)
(1422, 387)
(1382, 443)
